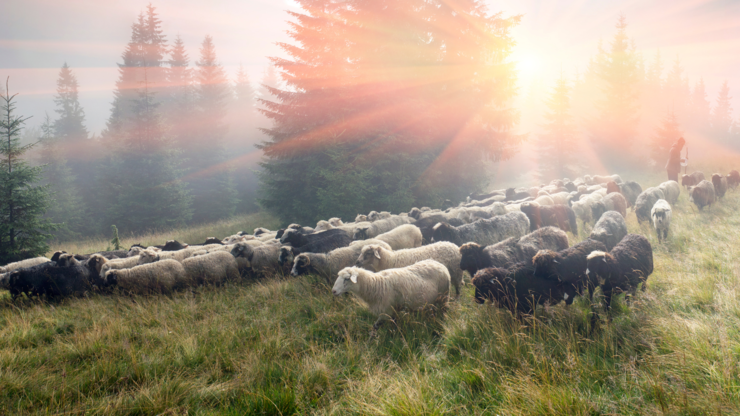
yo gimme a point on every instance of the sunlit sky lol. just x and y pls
(38, 36)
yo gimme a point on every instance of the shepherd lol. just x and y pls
(674, 160)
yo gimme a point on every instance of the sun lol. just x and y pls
(528, 65)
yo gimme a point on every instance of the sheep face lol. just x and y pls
(285, 256)
(336, 221)
(104, 269)
(67, 260)
(597, 264)
(346, 281)
(301, 265)
(96, 262)
(370, 257)
(289, 236)
(545, 263)
(361, 218)
(245, 251)
(471, 254)
(134, 251)
(111, 278)
(148, 256)
(494, 284)
(360, 233)
(54, 257)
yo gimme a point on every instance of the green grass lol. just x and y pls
(284, 346)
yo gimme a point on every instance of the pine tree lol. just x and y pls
(179, 106)
(722, 122)
(677, 91)
(700, 109)
(66, 208)
(69, 127)
(211, 184)
(387, 104)
(23, 230)
(665, 135)
(142, 178)
(557, 147)
(615, 130)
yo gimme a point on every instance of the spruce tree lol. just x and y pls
(23, 228)
(700, 109)
(69, 127)
(615, 129)
(244, 136)
(387, 104)
(142, 177)
(722, 123)
(65, 208)
(665, 135)
(179, 96)
(557, 147)
(211, 182)
(677, 91)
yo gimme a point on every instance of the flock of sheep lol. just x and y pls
(512, 242)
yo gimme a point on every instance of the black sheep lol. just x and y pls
(733, 179)
(426, 225)
(567, 266)
(51, 279)
(516, 288)
(335, 236)
(560, 216)
(512, 250)
(628, 264)
(720, 185)
(173, 245)
(702, 194)
(630, 190)
(212, 240)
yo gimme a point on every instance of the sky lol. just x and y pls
(38, 36)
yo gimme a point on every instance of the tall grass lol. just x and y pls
(283, 346)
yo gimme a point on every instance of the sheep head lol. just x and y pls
(336, 221)
(442, 232)
(54, 257)
(370, 257)
(597, 265)
(148, 256)
(360, 233)
(546, 263)
(243, 250)
(301, 264)
(494, 284)
(67, 260)
(111, 278)
(346, 280)
(260, 231)
(96, 262)
(286, 255)
(415, 213)
(470, 256)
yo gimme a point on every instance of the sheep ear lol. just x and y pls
(377, 253)
(353, 277)
(556, 262)
(603, 259)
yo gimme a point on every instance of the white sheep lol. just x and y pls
(100, 265)
(323, 226)
(412, 287)
(335, 221)
(405, 236)
(379, 227)
(211, 268)
(376, 258)
(671, 191)
(373, 216)
(23, 264)
(150, 256)
(161, 276)
(327, 265)
(661, 215)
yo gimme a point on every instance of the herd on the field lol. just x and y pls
(512, 242)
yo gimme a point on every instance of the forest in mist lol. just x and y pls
(373, 106)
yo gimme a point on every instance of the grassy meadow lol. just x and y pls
(283, 346)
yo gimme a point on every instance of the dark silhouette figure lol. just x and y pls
(674, 160)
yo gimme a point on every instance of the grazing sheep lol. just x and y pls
(335, 221)
(517, 288)
(24, 264)
(512, 250)
(720, 185)
(472, 214)
(544, 200)
(159, 277)
(610, 229)
(645, 203)
(622, 269)
(671, 191)
(631, 190)
(597, 179)
(567, 266)
(484, 232)
(150, 256)
(583, 209)
(702, 194)
(376, 258)
(173, 245)
(379, 227)
(211, 268)
(692, 179)
(615, 202)
(733, 179)
(661, 215)
(55, 280)
(327, 265)
(261, 260)
(412, 287)
(322, 226)
(373, 216)
(560, 216)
